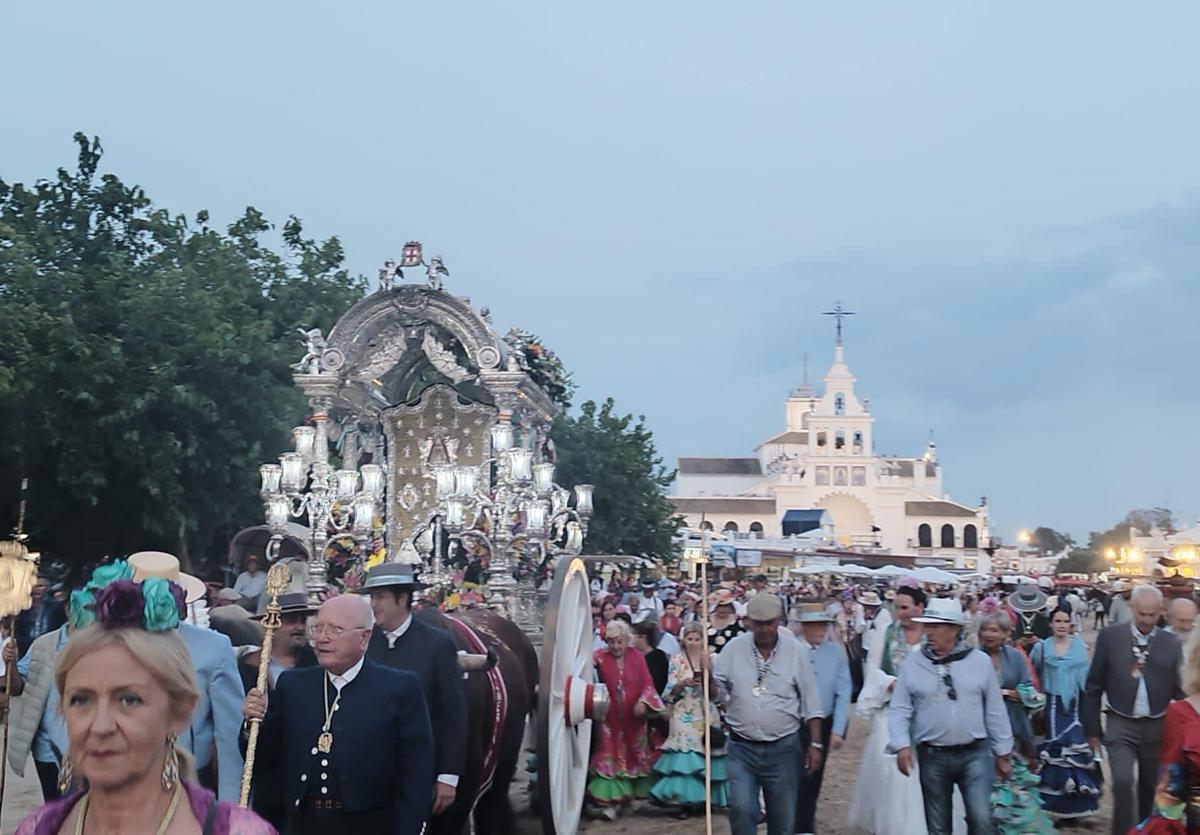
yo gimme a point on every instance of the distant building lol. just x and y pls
(822, 470)
(1158, 552)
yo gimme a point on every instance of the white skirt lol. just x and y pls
(885, 801)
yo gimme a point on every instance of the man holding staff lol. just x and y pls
(351, 737)
(767, 684)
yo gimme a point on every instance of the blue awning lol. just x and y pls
(802, 521)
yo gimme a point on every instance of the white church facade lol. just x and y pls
(822, 470)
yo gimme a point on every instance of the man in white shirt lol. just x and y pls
(649, 599)
(251, 583)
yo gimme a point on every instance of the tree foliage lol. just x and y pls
(1080, 561)
(618, 456)
(144, 361)
(1145, 519)
(1050, 541)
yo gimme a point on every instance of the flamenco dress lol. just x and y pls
(621, 768)
(681, 765)
(1071, 780)
(1177, 799)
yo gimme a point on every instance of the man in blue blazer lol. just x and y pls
(351, 738)
(832, 671)
(217, 719)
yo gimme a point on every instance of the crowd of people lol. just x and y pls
(984, 709)
(137, 699)
(137, 708)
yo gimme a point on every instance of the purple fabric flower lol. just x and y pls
(120, 603)
(180, 598)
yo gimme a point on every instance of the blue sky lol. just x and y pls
(670, 194)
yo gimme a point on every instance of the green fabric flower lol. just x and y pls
(161, 612)
(105, 574)
(79, 608)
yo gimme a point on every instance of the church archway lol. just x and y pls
(852, 519)
(947, 536)
(924, 536)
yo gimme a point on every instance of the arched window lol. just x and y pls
(839, 440)
(821, 438)
(756, 528)
(970, 537)
(839, 404)
(858, 443)
(706, 525)
(730, 526)
(947, 536)
(925, 536)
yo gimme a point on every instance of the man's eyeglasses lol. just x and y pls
(321, 630)
(949, 682)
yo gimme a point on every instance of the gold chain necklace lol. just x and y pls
(162, 827)
(325, 740)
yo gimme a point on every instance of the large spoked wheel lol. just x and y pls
(568, 700)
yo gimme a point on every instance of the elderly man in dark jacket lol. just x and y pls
(351, 738)
(404, 643)
(1136, 666)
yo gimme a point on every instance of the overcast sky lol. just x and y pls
(670, 193)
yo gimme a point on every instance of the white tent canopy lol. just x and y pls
(929, 574)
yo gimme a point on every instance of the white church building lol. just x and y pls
(822, 471)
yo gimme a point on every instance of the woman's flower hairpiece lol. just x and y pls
(112, 599)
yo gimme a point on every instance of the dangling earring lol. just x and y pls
(170, 773)
(65, 776)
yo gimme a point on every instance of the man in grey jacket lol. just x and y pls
(1136, 667)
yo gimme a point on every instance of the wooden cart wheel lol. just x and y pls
(569, 698)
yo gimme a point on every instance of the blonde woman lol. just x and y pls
(681, 766)
(127, 691)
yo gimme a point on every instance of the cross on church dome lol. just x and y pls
(839, 312)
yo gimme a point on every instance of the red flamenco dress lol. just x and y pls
(1177, 798)
(622, 762)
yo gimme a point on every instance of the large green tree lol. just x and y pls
(144, 361)
(617, 455)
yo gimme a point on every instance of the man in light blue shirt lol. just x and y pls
(832, 670)
(949, 696)
(38, 708)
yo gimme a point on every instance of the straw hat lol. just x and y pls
(869, 598)
(943, 610)
(150, 564)
(813, 613)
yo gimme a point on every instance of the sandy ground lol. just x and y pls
(22, 794)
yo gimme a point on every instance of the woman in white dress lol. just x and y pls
(885, 801)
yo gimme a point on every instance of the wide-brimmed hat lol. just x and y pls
(292, 603)
(391, 575)
(813, 613)
(146, 565)
(1027, 599)
(648, 585)
(943, 610)
(764, 607)
(869, 598)
(1122, 586)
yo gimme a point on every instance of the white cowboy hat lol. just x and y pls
(148, 564)
(943, 610)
